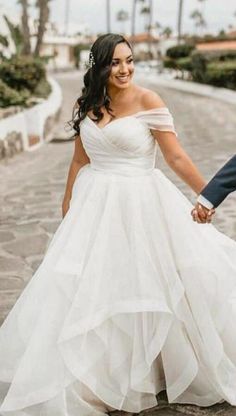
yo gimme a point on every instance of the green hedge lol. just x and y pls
(169, 63)
(199, 67)
(9, 96)
(180, 51)
(185, 64)
(22, 72)
(222, 74)
(23, 79)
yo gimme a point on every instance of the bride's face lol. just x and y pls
(122, 67)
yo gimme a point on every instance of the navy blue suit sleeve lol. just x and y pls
(222, 184)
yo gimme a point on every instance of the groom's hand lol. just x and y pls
(201, 214)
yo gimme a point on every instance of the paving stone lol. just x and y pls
(50, 227)
(9, 282)
(8, 264)
(6, 236)
(27, 228)
(26, 246)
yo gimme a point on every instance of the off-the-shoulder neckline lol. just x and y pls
(128, 116)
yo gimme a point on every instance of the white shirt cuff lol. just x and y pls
(203, 201)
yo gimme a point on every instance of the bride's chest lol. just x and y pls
(127, 133)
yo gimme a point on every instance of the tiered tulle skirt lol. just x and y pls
(132, 297)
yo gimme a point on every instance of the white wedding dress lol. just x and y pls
(132, 296)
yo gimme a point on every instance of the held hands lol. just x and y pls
(201, 214)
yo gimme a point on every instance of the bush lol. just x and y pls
(221, 55)
(222, 74)
(170, 63)
(22, 73)
(9, 96)
(185, 64)
(180, 51)
(42, 89)
(199, 65)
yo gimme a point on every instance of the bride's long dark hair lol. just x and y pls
(94, 92)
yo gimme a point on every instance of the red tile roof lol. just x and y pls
(142, 37)
(219, 45)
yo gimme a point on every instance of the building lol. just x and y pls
(144, 45)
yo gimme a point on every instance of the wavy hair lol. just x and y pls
(94, 92)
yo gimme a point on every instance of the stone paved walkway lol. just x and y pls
(32, 186)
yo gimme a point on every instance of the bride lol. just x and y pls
(132, 296)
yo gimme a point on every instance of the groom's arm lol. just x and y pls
(220, 186)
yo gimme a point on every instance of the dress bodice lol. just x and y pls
(125, 145)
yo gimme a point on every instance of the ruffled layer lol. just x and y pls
(132, 298)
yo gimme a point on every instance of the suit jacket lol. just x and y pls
(222, 184)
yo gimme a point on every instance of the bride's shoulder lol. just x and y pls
(150, 99)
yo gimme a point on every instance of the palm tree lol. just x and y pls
(108, 15)
(203, 2)
(67, 14)
(167, 31)
(145, 11)
(133, 14)
(198, 18)
(122, 16)
(133, 17)
(180, 15)
(25, 26)
(44, 11)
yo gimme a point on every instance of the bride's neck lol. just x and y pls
(119, 94)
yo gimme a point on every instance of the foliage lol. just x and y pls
(22, 73)
(170, 63)
(42, 89)
(199, 63)
(222, 74)
(9, 96)
(4, 40)
(16, 35)
(180, 51)
(219, 55)
(185, 64)
(23, 80)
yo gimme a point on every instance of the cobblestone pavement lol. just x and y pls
(33, 183)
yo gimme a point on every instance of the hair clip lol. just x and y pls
(91, 60)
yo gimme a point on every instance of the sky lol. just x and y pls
(218, 14)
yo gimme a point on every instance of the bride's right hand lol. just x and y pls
(65, 206)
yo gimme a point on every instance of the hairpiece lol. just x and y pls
(91, 60)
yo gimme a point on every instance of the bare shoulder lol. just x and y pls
(150, 99)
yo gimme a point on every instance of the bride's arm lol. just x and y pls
(80, 158)
(179, 161)
(174, 154)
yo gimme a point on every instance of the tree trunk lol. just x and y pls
(180, 15)
(43, 19)
(133, 18)
(108, 7)
(25, 27)
(150, 27)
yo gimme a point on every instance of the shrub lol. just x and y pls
(185, 64)
(221, 55)
(22, 73)
(180, 51)
(199, 65)
(169, 63)
(222, 74)
(9, 96)
(42, 89)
